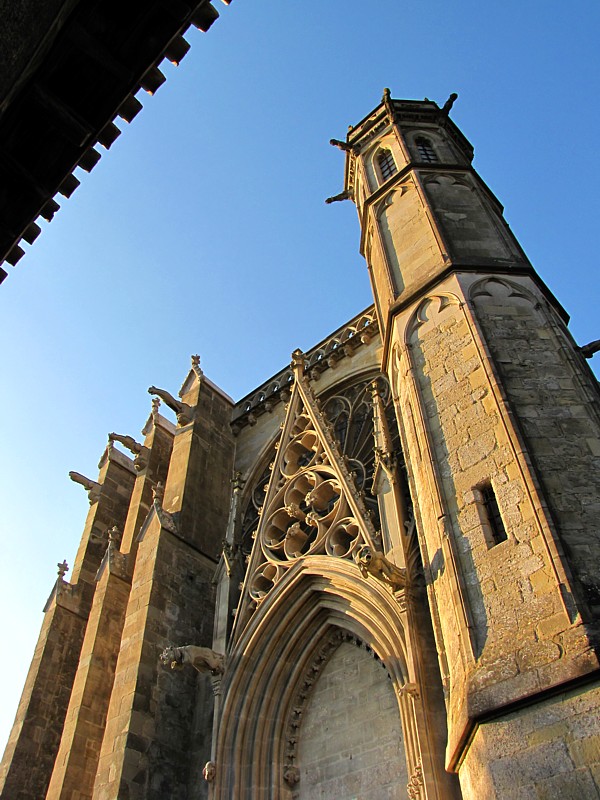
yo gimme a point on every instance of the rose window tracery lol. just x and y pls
(250, 517)
(350, 412)
(315, 507)
(309, 514)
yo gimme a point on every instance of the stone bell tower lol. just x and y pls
(499, 418)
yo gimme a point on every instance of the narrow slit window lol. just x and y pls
(386, 164)
(492, 512)
(426, 151)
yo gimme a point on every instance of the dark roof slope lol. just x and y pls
(69, 68)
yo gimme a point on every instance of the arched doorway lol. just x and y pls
(320, 620)
(350, 741)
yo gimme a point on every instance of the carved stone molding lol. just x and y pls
(315, 503)
(415, 783)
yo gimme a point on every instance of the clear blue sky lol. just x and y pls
(204, 230)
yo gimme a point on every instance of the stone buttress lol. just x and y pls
(29, 757)
(77, 759)
(158, 722)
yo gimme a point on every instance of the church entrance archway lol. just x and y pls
(350, 742)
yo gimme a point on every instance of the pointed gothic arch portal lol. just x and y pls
(289, 644)
(349, 735)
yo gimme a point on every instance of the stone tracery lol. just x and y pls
(319, 498)
(349, 414)
(313, 505)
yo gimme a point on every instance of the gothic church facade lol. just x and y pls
(374, 577)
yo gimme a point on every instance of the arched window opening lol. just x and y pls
(386, 164)
(426, 151)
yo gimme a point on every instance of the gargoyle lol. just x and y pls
(373, 562)
(140, 451)
(92, 487)
(449, 103)
(345, 195)
(590, 348)
(127, 441)
(347, 148)
(202, 659)
(183, 411)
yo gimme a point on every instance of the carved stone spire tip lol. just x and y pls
(196, 365)
(298, 361)
(158, 493)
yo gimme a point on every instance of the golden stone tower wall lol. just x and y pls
(498, 416)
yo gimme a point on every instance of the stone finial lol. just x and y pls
(114, 537)
(196, 366)
(237, 482)
(298, 361)
(384, 450)
(92, 487)
(230, 552)
(155, 406)
(63, 568)
(158, 493)
(183, 411)
(386, 95)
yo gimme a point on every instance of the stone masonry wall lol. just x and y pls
(35, 736)
(151, 714)
(547, 751)
(411, 248)
(351, 742)
(500, 618)
(558, 408)
(34, 742)
(77, 758)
